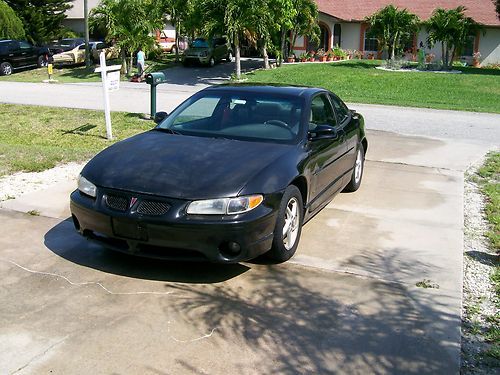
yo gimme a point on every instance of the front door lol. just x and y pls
(325, 155)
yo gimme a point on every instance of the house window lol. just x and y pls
(337, 34)
(371, 42)
(468, 48)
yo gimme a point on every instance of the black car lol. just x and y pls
(16, 54)
(230, 174)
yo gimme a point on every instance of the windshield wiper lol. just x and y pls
(167, 130)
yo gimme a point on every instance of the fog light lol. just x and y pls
(230, 250)
(234, 247)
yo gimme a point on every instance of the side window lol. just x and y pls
(340, 109)
(321, 112)
(24, 45)
(82, 46)
(101, 46)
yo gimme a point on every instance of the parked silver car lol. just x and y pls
(207, 51)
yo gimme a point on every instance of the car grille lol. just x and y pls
(117, 203)
(152, 208)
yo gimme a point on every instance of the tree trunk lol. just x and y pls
(131, 63)
(178, 27)
(237, 55)
(124, 61)
(265, 55)
(452, 57)
(442, 53)
(282, 47)
(447, 55)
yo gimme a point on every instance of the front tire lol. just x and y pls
(5, 69)
(288, 226)
(42, 61)
(357, 172)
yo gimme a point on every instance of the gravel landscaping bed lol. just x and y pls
(480, 313)
(17, 184)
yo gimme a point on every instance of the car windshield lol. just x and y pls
(238, 115)
(199, 43)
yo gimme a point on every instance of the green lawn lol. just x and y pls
(38, 138)
(75, 74)
(358, 81)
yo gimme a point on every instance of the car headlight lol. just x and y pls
(86, 187)
(225, 206)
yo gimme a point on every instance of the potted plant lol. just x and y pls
(357, 54)
(291, 58)
(429, 58)
(475, 59)
(329, 55)
(321, 54)
(312, 55)
(338, 54)
(371, 56)
(303, 57)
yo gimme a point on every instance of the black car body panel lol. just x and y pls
(21, 54)
(164, 172)
(162, 169)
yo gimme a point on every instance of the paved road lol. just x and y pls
(346, 303)
(183, 82)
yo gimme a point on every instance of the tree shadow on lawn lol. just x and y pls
(479, 71)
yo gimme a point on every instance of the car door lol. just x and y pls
(325, 154)
(29, 54)
(350, 129)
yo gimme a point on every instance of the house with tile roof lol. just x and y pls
(342, 23)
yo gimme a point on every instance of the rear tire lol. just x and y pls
(5, 69)
(288, 225)
(357, 172)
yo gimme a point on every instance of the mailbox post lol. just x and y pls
(154, 79)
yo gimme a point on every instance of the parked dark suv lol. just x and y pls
(15, 54)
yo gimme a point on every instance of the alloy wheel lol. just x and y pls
(358, 167)
(291, 225)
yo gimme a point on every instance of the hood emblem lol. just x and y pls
(132, 201)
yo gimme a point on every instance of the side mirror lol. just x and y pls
(323, 132)
(160, 116)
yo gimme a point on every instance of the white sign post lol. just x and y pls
(110, 76)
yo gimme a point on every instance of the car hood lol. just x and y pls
(184, 167)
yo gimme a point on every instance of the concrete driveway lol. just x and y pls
(347, 303)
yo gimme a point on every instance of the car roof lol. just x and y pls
(276, 89)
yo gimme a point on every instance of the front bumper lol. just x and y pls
(197, 59)
(175, 235)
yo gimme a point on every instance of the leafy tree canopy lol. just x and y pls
(393, 27)
(451, 28)
(42, 19)
(11, 27)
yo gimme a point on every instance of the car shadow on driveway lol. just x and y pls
(64, 241)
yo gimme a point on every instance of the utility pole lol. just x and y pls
(86, 16)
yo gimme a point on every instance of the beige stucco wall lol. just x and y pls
(350, 36)
(489, 46)
(76, 12)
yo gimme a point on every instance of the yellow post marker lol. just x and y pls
(50, 71)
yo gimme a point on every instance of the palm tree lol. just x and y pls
(393, 28)
(130, 23)
(451, 28)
